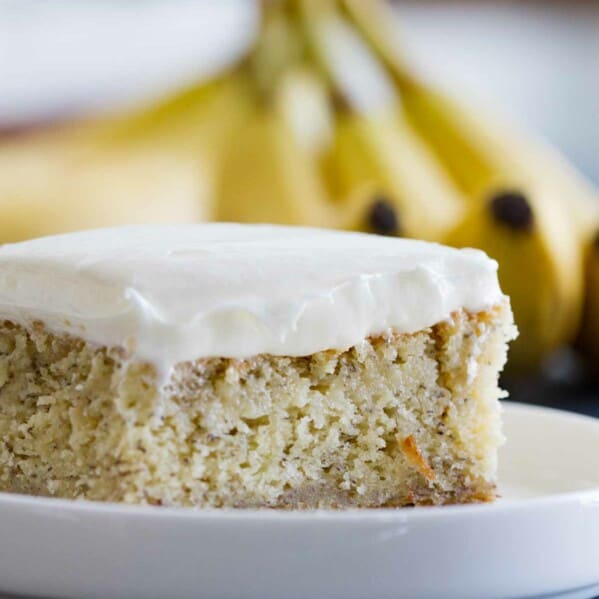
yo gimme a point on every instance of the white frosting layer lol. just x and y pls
(179, 292)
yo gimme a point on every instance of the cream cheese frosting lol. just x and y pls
(173, 293)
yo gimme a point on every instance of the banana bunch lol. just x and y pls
(324, 124)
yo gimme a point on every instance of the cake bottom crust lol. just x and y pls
(397, 420)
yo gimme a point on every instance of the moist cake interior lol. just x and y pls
(396, 420)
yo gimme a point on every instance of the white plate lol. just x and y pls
(541, 538)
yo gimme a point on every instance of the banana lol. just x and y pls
(585, 213)
(269, 176)
(374, 148)
(156, 165)
(304, 101)
(269, 172)
(586, 341)
(382, 156)
(281, 182)
(540, 265)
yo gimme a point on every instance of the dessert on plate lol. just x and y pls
(225, 365)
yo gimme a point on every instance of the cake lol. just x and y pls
(225, 365)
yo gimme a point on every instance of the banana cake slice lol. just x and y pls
(226, 365)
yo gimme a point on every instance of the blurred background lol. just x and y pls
(473, 123)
